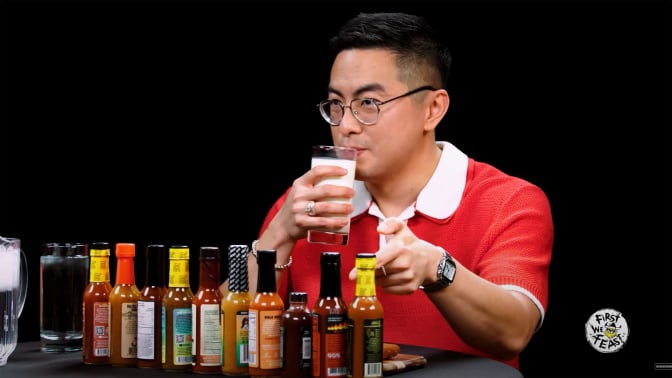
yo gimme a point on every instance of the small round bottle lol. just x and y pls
(296, 337)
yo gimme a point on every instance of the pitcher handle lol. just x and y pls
(23, 287)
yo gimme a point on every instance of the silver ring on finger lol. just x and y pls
(310, 208)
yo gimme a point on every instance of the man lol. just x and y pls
(463, 249)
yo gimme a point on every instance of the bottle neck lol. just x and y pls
(125, 271)
(100, 268)
(178, 274)
(208, 276)
(365, 286)
(154, 270)
(330, 280)
(266, 271)
(238, 278)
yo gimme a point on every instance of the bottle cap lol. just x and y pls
(178, 252)
(238, 277)
(365, 261)
(209, 253)
(100, 249)
(125, 250)
(298, 296)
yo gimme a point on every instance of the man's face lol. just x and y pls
(385, 147)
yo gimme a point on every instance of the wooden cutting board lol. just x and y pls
(402, 362)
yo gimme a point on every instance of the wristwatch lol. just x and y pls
(444, 275)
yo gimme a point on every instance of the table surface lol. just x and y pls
(28, 361)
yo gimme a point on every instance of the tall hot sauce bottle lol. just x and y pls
(296, 334)
(235, 308)
(365, 323)
(265, 317)
(150, 303)
(206, 316)
(124, 309)
(176, 313)
(330, 321)
(96, 307)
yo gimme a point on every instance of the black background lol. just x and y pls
(181, 122)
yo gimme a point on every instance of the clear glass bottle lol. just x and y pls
(330, 321)
(235, 309)
(365, 323)
(176, 319)
(206, 315)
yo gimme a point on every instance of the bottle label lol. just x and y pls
(182, 336)
(264, 337)
(333, 335)
(179, 273)
(101, 330)
(129, 329)
(99, 269)
(242, 342)
(210, 336)
(373, 347)
(146, 327)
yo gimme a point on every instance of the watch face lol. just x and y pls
(449, 269)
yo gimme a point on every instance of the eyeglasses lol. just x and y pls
(365, 110)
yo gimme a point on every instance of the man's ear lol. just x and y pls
(438, 107)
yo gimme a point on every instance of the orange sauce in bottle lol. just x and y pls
(176, 313)
(207, 316)
(365, 323)
(95, 307)
(265, 317)
(235, 309)
(124, 309)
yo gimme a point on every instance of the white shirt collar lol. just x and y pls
(438, 199)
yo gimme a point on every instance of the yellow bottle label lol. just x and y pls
(99, 269)
(365, 286)
(179, 273)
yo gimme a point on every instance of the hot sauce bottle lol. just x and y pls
(265, 317)
(95, 308)
(330, 321)
(235, 309)
(124, 309)
(365, 323)
(206, 316)
(296, 333)
(150, 303)
(176, 313)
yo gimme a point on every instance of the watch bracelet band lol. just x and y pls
(439, 284)
(253, 251)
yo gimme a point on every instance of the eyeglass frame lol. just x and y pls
(377, 103)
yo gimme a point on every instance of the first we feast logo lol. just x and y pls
(607, 331)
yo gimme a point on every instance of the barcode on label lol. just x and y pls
(244, 354)
(373, 370)
(337, 371)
